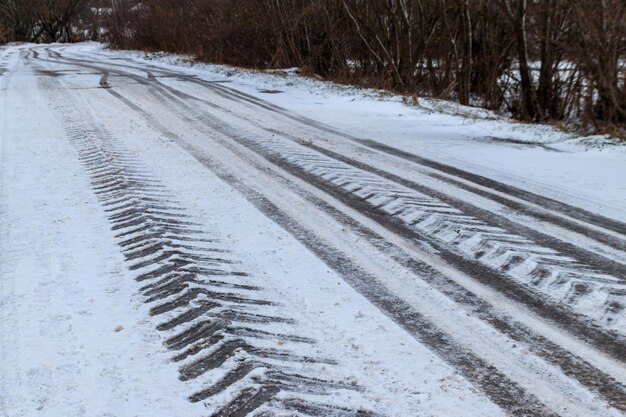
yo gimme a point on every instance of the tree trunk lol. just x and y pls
(528, 96)
(545, 97)
(465, 76)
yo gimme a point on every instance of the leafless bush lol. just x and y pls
(41, 20)
(537, 59)
(4, 35)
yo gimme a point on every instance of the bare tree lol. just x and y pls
(17, 17)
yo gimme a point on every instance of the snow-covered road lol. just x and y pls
(178, 242)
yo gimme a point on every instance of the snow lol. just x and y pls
(76, 338)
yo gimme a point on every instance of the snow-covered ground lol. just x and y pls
(117, 166)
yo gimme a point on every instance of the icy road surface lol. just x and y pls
(192, 241)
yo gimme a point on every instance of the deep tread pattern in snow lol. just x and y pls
(542, 270)
(213, 314)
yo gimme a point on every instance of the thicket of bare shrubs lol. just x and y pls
(47, 20)
(539, 60)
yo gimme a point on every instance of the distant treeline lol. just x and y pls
(539, 60)
(51, 20)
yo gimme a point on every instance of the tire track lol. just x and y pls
(598, 262)
(545, 216)
(497, 386)
(600, 236)
(548, 203)
(513, 264)
(571, 365)
(212, 311)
